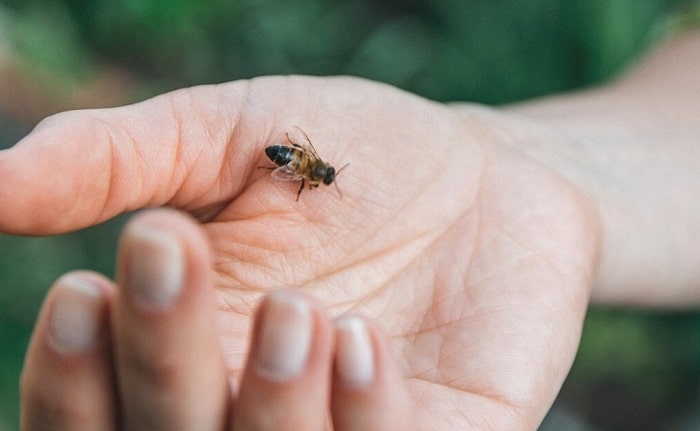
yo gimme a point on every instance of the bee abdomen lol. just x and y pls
(279, 154)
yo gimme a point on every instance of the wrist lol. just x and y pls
(638, 166)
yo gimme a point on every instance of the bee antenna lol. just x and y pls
(338, 189)
(336, 182)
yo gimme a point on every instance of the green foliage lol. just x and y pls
(478, 50)
(47, 40)
(636, 370)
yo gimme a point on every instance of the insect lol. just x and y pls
(301, 162)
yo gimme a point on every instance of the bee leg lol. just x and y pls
(300, 189)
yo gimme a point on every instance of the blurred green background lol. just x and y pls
(635, 370)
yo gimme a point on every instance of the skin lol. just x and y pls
(474, 237)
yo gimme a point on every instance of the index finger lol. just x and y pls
(82, 167)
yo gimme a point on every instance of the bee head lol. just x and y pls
(330, 176)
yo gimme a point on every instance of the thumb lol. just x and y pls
(79, 168)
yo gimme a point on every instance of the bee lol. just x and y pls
(301, 162)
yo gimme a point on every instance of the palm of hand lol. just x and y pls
(475, 260)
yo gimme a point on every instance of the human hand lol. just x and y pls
(145, 354)
(476, 260)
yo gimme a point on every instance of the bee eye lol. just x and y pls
(330, 176)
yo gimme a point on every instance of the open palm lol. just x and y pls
(476, 260)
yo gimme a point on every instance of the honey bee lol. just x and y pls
(301, 162)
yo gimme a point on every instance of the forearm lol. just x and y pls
(633, 147)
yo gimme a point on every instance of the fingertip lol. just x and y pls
(293, 337)
(369, 392)
(77, 312)
(154, 266)
(355, 353)
(164, 262)
(67, 381)
(284, 336)
(285, 384)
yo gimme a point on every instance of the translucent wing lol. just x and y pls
(285, 173)
(298, 138)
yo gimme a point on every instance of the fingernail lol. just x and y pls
(284, 337)
(354, 352)
(154, 266)
(74, 316)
